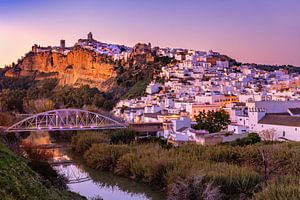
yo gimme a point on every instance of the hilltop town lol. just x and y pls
(168, 87)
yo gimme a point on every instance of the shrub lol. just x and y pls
(222, 154)
(125, 136)
(282, 188)
(38, 105)
(105, 156)
(126, 165)
(193, 187)
(148, 163)
(161, 141)
(6, 119)
(84, 140)
(233, 179)
(252, 138)
(237, 171)
(280, 159)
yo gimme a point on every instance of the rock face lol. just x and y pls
(77, 66)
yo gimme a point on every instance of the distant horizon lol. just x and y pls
(263, 32)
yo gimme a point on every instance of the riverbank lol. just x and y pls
(18, 181)
(71, 171)
(106, 184)
(196, 172)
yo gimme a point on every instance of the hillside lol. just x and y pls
(18, 181)
(113, 69)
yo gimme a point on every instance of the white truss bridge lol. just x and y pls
(65, 119)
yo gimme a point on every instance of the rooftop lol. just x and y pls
(294, 111)
(280, 119)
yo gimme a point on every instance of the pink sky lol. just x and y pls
(249, 31)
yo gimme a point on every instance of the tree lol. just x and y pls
(37, 106)
(123, 108)
(268, 134)
(11, 100)
(98, 100)
(212, 121)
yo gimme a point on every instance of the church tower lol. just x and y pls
(62, 44)
(90, 37)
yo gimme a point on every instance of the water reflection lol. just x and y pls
(89, 182)
(114, 187)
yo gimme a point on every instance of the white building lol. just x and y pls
(153, 88)
(282, 117)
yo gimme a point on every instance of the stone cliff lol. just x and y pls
(77, 66)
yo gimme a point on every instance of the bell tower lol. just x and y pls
(90, 37)
(62, 44)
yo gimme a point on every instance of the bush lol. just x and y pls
(124, 136)
(137, 89)
(6, 119)
(221, 153)
(148, 163)
(237, 171)
(84, 140)
(283, 188)
(105, 156)
(233, 179)
(192, 188)
(38, 105)
(161, 141)
(252, 138)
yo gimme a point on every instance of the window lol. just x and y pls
(295, 129)
(283, 134)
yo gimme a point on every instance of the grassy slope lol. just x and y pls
(18, 181)
(137, 89)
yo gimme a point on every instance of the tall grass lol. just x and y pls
(223, 170)
(83, 141)
(282, 188)
(105, 156)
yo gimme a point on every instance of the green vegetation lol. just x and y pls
(11, 100)
(194, 187)
(26, 95)
(212, 121)
(271, 68)
(243, 170)
(282, 188)
(252, 138)
(124, 136)
(137, 89)
(139, 73)
(39, 96)
(83, 141)
(18, 181)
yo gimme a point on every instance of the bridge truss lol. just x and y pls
(65, 119)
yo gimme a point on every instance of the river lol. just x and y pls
(91, 183)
